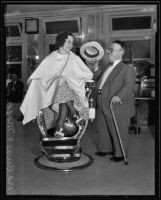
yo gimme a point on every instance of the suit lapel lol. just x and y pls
(99, 80)
(114, 73)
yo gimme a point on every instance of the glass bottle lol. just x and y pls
(92, 111)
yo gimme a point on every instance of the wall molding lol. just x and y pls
(84, 11)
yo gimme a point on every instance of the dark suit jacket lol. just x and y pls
(121, 82)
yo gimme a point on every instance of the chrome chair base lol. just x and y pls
(58, 153)
(44, 163)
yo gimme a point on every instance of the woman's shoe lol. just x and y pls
(59, 134)
(77, 118)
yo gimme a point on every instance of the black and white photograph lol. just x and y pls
(80, 99)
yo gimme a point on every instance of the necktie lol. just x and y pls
(111, 63)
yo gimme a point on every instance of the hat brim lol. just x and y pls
(94, 44)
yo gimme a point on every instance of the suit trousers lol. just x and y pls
(104, 140)
(106, 131)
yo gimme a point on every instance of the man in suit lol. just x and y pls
(15, 90)
(115, 85)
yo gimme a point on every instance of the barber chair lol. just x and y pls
(147, 87)
(63, 153)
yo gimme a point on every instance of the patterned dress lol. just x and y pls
(64, 94)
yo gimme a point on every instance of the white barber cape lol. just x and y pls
(43, 82)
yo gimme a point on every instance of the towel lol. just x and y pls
(43, 82)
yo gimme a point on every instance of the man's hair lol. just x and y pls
(14, 73)
(61, 38)
(122, 44)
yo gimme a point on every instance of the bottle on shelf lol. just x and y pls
(92, 111)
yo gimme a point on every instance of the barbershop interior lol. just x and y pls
(39, 164)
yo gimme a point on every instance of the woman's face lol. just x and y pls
(68, 45)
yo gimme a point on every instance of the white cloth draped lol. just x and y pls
(43, 82)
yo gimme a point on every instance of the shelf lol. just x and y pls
(10, 63)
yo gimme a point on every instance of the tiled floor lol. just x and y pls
(103, 177)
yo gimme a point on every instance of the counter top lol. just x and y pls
(144, 98)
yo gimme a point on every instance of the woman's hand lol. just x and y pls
(96, 65)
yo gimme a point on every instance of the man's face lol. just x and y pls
(115, 52)
(14, 77)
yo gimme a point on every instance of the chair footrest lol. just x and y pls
(58, 142)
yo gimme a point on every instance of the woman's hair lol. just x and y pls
(61, 38)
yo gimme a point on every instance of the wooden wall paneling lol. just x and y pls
(90, 36)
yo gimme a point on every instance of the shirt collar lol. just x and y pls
(116, 62)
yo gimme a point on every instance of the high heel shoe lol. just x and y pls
(59, 134)
(77, 118)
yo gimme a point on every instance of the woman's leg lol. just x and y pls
(74, 113)
(63, 111)
(71, 108)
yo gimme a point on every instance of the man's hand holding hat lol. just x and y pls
(92, 52)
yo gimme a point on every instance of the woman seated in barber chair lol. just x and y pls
(59, 83)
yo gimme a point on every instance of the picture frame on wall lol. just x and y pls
(32, 25)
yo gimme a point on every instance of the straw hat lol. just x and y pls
(92, 50)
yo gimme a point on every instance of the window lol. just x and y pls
(131, 23)
(13, 30)
(13, 48)
(14, 59)
(55, 27)
(138, 53)
(139, 48)
(14, 53)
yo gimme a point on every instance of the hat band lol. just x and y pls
(89, 55)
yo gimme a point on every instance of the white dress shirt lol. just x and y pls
(107, 73)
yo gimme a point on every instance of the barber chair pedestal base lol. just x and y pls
(63, 154)
(44, 163)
